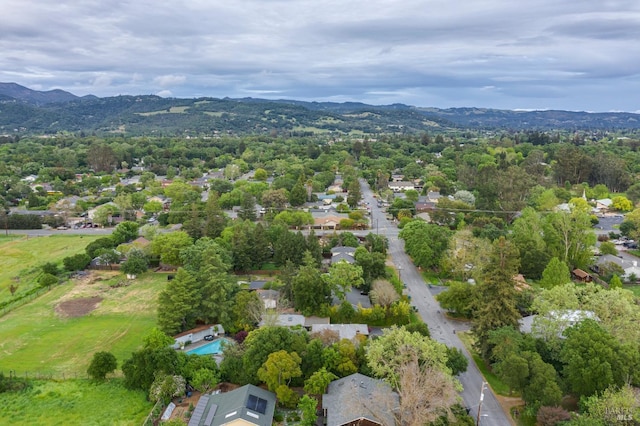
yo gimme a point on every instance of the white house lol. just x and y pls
(632, 270)
(401, 186)
(197, 334)
(554, 323)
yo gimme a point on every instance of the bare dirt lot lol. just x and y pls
(78, 307)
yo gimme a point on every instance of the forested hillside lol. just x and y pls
(23, 111)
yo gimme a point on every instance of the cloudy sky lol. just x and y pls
(535, 54)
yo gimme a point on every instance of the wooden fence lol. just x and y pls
(42, 375)
(22, 301)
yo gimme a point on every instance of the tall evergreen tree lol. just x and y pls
(176, 302)
(496, 302)
(298, 194)
(214, 218)
(310, 292)
(355, 194)
(248, 208)
(313, 247)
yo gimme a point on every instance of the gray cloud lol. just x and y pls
(496, 53)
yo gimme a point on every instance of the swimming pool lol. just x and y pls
(211, 348)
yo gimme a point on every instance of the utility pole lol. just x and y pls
(480, 403)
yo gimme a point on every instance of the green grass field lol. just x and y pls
(37, 338)
(74, 402)
(635, 289)
(21, 256)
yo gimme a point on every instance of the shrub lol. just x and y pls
(102, 364)
(551, 416)
(77, 262)
(50, 268)
(47, 280)
(101, 243)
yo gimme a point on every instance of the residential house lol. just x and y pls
(292, 320)
(359, 400)
(401, 186)
(632, 271)
(309, 322)
(355, 297)
(327, 222)
(604, 204)
(563, 207)
(245, 406)
(29, 179)
(257, 284)
(350, 251)
(345, 331)
(343, 257)
(424, 216)
(269, 298)
(554, 323)
(283, 320)
(582, 276)
(326, 198)
(608, 262)
(433, 196)
(197, 334)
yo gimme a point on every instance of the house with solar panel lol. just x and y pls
(245, 406)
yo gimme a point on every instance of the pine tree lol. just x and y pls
(298, 194)
(496, 302)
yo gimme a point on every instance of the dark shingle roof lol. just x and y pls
(249, 403)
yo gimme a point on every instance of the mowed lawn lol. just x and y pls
(39, 338)
(20, 257)
(74, 402)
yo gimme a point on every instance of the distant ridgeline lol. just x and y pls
(26, 111)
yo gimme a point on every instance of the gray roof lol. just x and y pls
(560, 320)
(310, 321)
(359, 397)
(283, 320)
(342, 249)
(268, 294)
(355, 297)
(249, 403)
(609, 258)
(345, 331)
(257, 284)
(342, 257)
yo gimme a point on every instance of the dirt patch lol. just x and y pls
(511, 405)
(78, 307)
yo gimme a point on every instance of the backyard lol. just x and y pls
(74, 402)
(22, 255)
(57, 333)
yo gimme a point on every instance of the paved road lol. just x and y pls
(441, 328)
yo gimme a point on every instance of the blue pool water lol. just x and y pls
(211, 348)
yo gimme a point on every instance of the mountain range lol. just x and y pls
(27, 111)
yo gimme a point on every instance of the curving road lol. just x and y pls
(442, 329)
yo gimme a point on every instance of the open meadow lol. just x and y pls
(58, 332)
(74, 402)
(20, 257)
